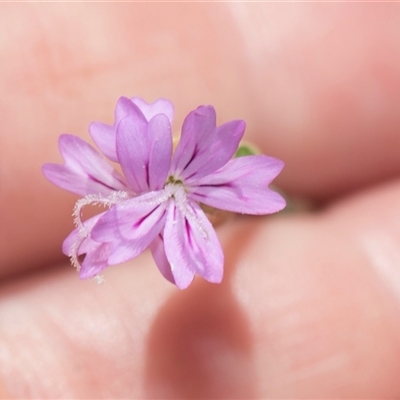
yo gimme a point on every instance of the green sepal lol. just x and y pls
(246, 149)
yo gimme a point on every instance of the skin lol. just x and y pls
(309, 306)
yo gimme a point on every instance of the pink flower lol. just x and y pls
(155, 203)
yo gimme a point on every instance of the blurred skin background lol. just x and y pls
(310, 303)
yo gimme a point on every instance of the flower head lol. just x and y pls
(155, 202)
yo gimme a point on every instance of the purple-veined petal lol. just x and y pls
(160, 151)
(203, 147)
(131, 226)
(96, 254)
(85, 171)
(242, 186)
(197, 128)
(191, 245)
(105, 135)
(96, 257)
(73, 238)
(160, 106)
(144, 151)
(95, 261)
(158, 251)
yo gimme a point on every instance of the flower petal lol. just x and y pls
(203, 147)
(85, 171)
(96, 253)
(242, 186)
(197, 129)
(160, 106)
(158, 252)
(191, 245)
(131, 226)
(144, 151)
(105, 135)
(95, 261)
(73, 238)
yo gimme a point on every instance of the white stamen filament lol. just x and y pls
(178, 193)
(95, 199)
(83, 232)
(173, 190)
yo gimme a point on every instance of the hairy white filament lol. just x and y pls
(83, 231)
(178, 193)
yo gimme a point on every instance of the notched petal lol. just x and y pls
(242, 186)
(203, 147)
(105, 135)
(130, 227)
(157, 248)
(85, 171)
(144, 150)
(191, 245)
(79, 243)
(160, 106)
(95, 261)
(214, 155)
(196, 130)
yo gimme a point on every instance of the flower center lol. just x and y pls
(176, 190)
(172, 179)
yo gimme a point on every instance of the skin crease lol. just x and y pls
(309, 305)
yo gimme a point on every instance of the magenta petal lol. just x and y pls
(217, 152)
(96, 254)
(105, 135)
(197, 128)
(160, 106)
(160, 151)
(158, 252)
(130, 227)
(144, 151)
(95, 261)
(203, 147)
(242, 186)
(124, 108)
(191, 245)
(87, 245)
(85, 171)
(69, 242)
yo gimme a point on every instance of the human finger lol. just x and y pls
(308, 308)
(333, 136)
